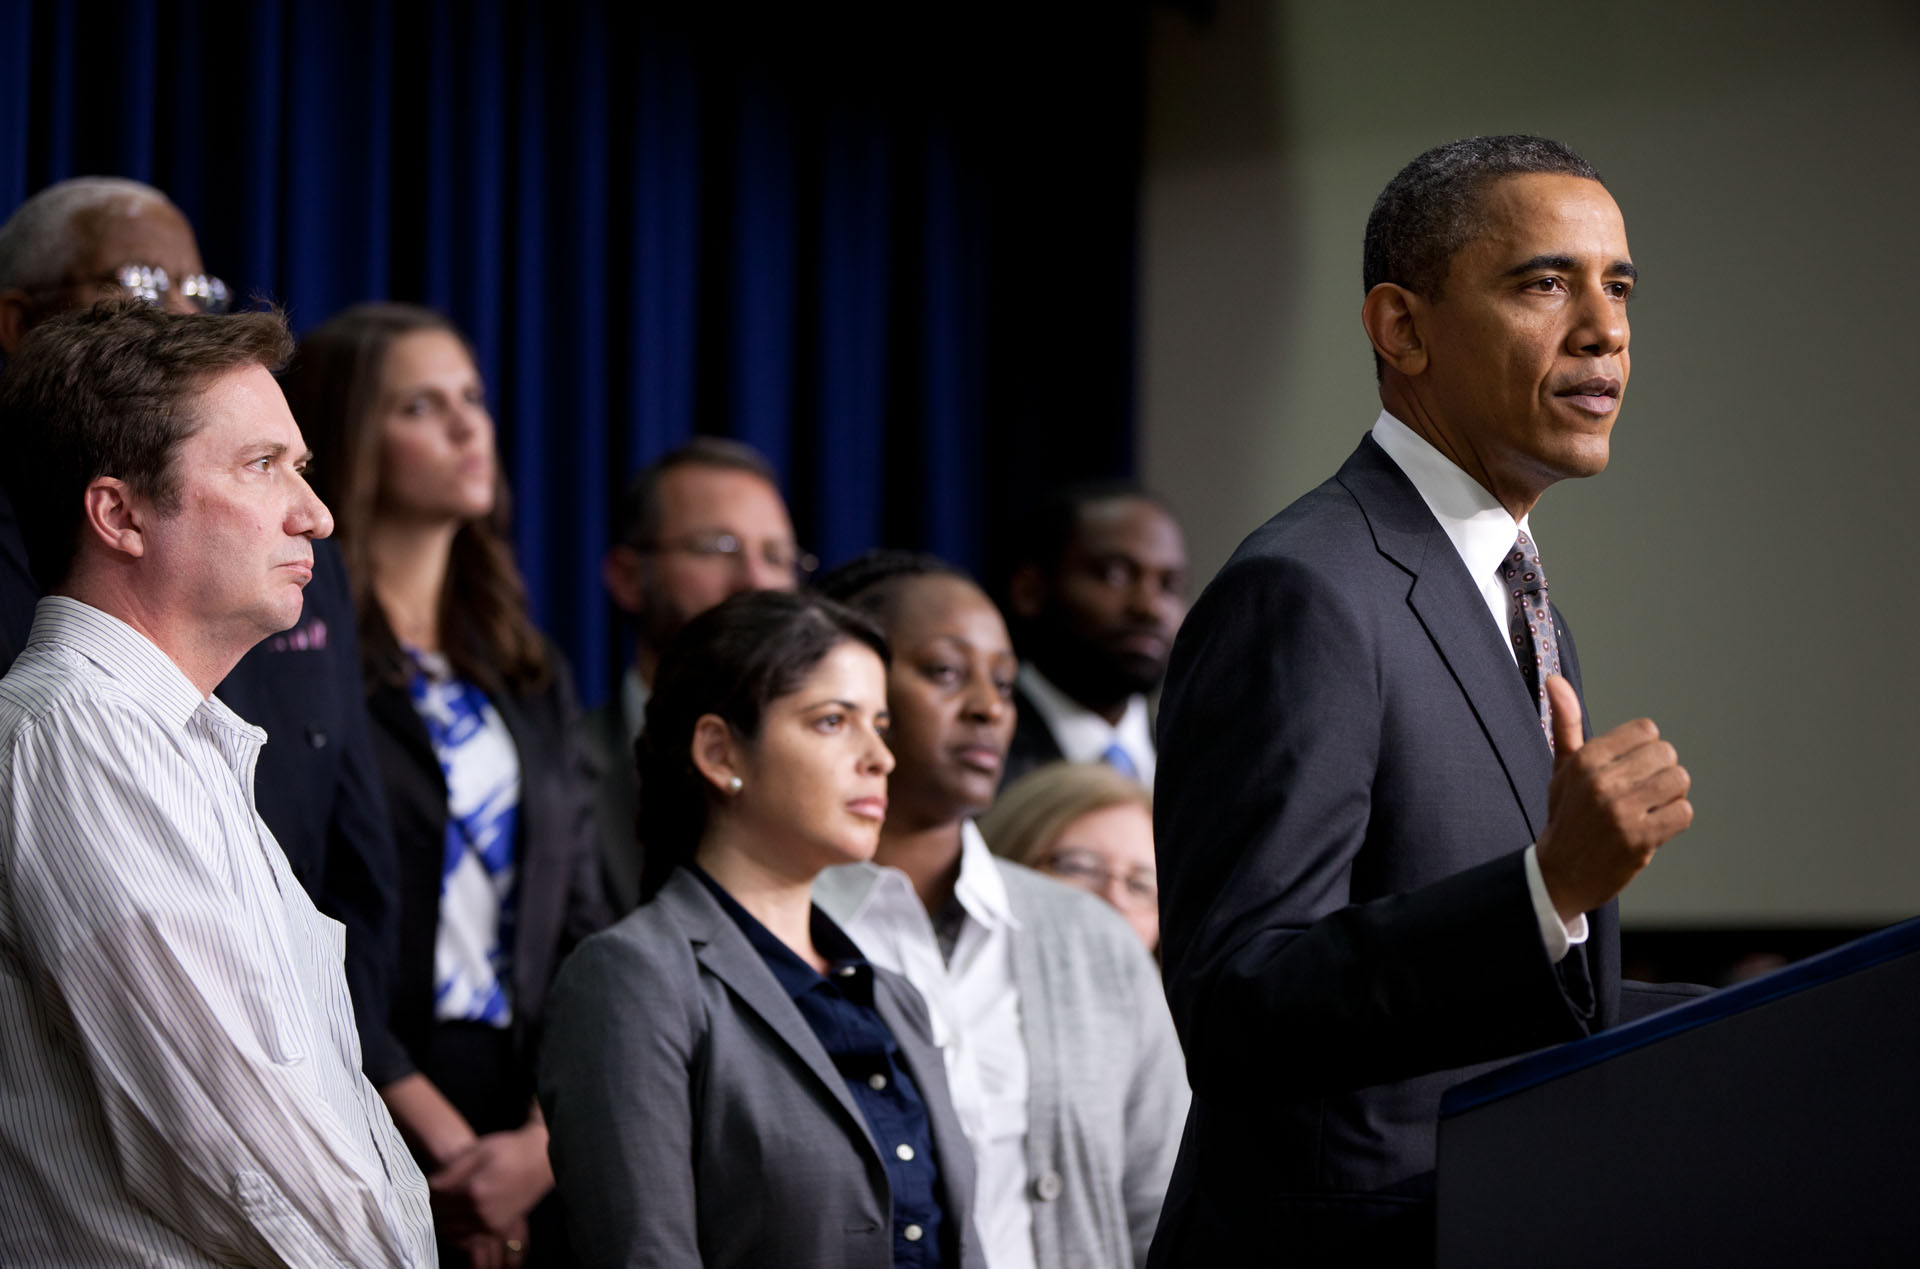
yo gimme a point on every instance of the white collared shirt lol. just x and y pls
(634, 694)
(1482, 533)
(1084, 736)
(179, 1070)
(975, 1007)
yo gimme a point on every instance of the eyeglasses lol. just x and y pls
(725, 546)
(150, 284)
(1084, 869)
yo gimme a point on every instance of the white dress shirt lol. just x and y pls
(634, 695)
(179, 1071)
(1084, 736)
(1483, 534)
(975, 1009)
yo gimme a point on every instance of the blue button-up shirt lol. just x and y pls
(839, 1008)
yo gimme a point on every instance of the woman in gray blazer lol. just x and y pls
(726, 1080)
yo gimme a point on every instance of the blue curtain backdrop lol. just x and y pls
(896, 256)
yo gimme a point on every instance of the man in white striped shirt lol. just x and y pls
(179, 1070)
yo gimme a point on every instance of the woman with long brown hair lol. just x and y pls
(477, 734)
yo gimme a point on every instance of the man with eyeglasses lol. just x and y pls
(94, 238)
(700, 524)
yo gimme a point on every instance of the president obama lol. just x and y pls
(1389, 850)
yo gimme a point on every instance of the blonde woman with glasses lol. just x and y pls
(1086, 824)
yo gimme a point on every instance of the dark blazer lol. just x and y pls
(560, 900)
(695, 1119)
(619, 791)
(315, 783)
(1033, 743)
(1350, 769)
(18, 591)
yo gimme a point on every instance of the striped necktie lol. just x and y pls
(1530, 621)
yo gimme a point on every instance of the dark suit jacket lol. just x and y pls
(1350, 769)
(607, 731)
(1033, 743)
(315, 784)
(695, 1119)
(560, 900)
(18, 591)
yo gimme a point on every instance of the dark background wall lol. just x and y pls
(1741, 572)
(895, 251)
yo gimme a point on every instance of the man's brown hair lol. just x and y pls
(110, 391)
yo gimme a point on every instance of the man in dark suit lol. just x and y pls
(1095, 594)
(93, 238)
(1388, 849)
(699, 524)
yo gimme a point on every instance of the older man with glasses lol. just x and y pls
(700, 524)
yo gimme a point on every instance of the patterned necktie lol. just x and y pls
(1530, 622)
(1117, 758)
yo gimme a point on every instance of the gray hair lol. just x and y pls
(36, 249)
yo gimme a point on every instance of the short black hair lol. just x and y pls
(732, 660)
(109, 391)
(1433, 206)
(1046, 531)
(637, 519)
(870, 583)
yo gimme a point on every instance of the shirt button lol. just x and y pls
(1047, 1186)
(846, 971)
(913, 1232)
(876, 1082)
(904, 1152)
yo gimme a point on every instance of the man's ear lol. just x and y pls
(1393, 317)
(621, 572)
(17, 311)
(115, 518)
(1027, 591)
(717, 754)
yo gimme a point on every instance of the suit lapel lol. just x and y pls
(393, 709)
(723, 950)
(1449, 607)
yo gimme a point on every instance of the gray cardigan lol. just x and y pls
(1107, 1087)
(696, 1120)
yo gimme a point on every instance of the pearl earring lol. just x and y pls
(734, 784)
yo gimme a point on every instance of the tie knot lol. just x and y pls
(1118, 758)
(1521, 569)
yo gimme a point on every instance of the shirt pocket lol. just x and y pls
(267, 1212)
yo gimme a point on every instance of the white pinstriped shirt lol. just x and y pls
(179, 1072)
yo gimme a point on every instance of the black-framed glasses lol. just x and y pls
(150, 284)
(727, 546)
(1088, 871)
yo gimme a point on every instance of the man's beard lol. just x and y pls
(1094, 676)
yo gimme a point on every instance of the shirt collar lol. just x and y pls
(1083, 736)
(1481, 530)
(980, 890)
(633, 704)
(127, 657)
(794, 975)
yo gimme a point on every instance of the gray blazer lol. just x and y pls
(696, 1120)
(1107, 1087)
